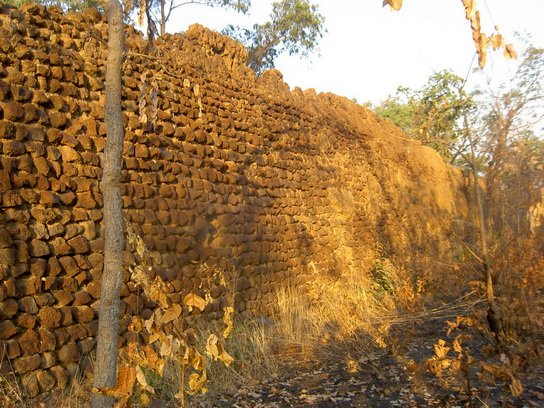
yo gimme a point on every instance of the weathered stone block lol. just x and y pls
(48, 340)
(39, 248)
(30, 384)
(69, 154)
(77, 332)
(62, 376)
(28, 305)
(63, 297)
(12, 349)
(50, 317)
(7, 329)
(25, 364)
(46, 380)
(13, 111)
(49, 359)
(68, 353)
(7, 256)
(83, 314)
(79, 244)
(29, 342)
(82, 298)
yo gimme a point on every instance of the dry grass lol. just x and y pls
(329, 317)
(13, 394)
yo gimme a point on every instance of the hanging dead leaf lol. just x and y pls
(226, 358)
(197, 382)
(193, 358)
(157, 293)
(126, 376)
(496, 41)
(227, 319)
(509, 52)
(171, 313)
(211, 346)
(217, 351)
(394, 4)
(193, 300)
(482, 51)
(142, 381)
(469, 8)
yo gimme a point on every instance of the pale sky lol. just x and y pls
(370, 50)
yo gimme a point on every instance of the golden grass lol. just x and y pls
(324, 320)
(328, 318)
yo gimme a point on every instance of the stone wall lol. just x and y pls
(221, 168)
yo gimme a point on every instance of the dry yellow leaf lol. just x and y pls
(509, 52)
(496, 41)
(482, 50)
(143, 382)
(197, 382)
(157, 293)
(193, 300)
(211, 346)
(440, 350)
(516, 387)
(126, 376)
(171, 313)
(469, 8)
(226, 358)
(394, 4)
(227, 319)
(457, 345)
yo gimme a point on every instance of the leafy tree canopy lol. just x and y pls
(431, 114)
(295, 27)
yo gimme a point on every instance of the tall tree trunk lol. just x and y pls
(105, 375)
(494, 315)
(163, 17)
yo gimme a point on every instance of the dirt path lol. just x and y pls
(396, 377)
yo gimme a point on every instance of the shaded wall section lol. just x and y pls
(221, 168)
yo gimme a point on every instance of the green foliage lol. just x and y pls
(295, 27)
(431, 114)
(381, 272)
(400, 112)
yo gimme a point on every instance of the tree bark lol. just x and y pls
(163, 17)
(105, 375)
(494, 315)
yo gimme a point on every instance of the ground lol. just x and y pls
(399, 375)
